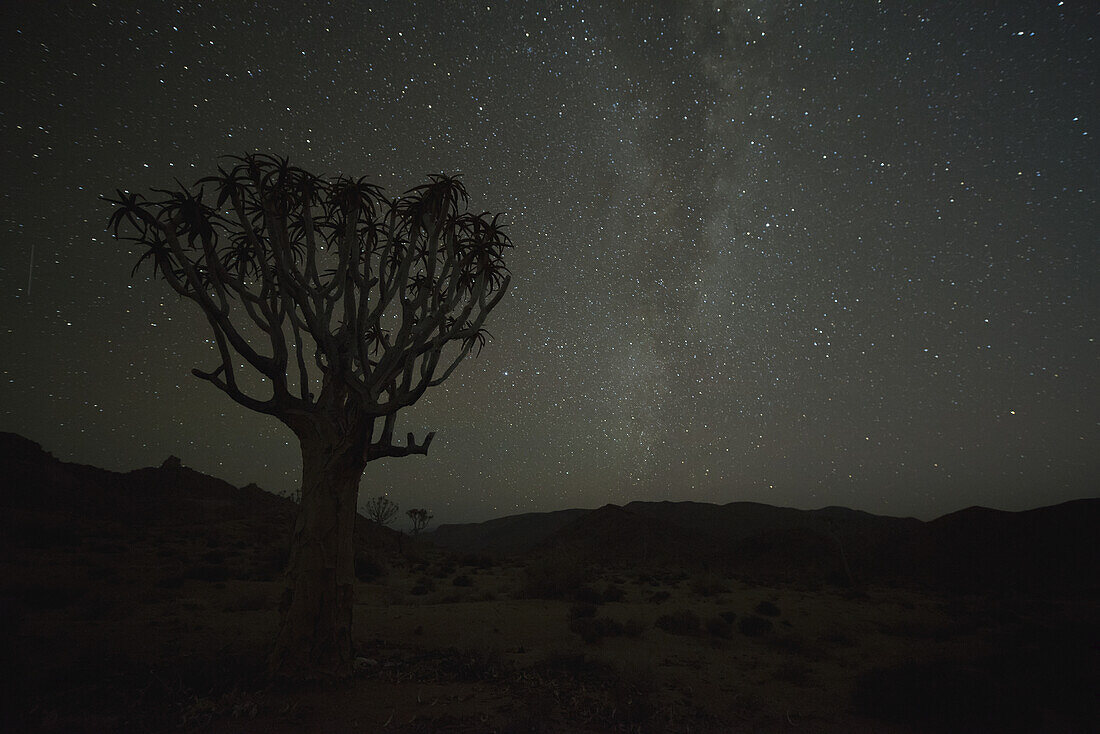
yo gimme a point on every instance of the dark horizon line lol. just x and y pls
(592, 509)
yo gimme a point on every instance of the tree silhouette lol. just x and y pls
(367, 301)
(419, 519)
(381, 509)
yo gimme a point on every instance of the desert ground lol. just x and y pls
(149, 619)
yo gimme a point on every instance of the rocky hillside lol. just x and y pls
(1047, 550)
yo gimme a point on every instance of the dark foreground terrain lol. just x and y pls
(145, 602)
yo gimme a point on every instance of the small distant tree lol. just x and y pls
(381, 509)
(348, 305)
(419, 519)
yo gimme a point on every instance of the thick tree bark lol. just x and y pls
(314, 639)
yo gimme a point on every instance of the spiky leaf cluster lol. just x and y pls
(379, 298)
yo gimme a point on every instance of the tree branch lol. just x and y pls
(382, 449)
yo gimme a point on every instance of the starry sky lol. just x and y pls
(802, 253)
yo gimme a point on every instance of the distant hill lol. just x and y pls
(45, 502)
(506, 535)
(1048, 550)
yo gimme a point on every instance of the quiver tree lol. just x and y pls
(419, 518)
(348, 306)
(380, 509)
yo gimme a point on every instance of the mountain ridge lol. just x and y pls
(1038, 550)
(1041, 550)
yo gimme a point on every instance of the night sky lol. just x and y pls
(808, 254)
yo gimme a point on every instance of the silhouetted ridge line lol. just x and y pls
(1042, 550)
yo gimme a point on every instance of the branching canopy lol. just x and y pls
(326, 281)
(381, 509)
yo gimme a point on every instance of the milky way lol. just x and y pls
(809, 254)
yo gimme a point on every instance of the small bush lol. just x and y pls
(681, 622)
(102, 573)
(423, 585)
(592, 595)
(840, 639)
(792, 643)
(170, 582)
(767, 609)
(96, 605)
(477, 560)
(270, 562)
(215, 557)
(709, 585)
(719, 627)
(728, 616)
(594, 629)
(754, 626)
(795, 673)
(367, 568)
(588, 595)
(550, 578)
(582, 609)
(250, 600)
(659, 596)
(462, 580)
(613, 593)
(633, 627)
(207, 573)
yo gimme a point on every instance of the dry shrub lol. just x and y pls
(753, 626)
(582, 609)
(719, 627)
(680, 622)
(594, 629)
(767, 609)
(477, 560)
(249, 600)
(552, 577)
(368, 568)
(794, 673)
(587, 595)
(424, 585)
(709, 584)
(208, 573)
(633, 627)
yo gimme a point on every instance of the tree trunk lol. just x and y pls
(314, 639)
